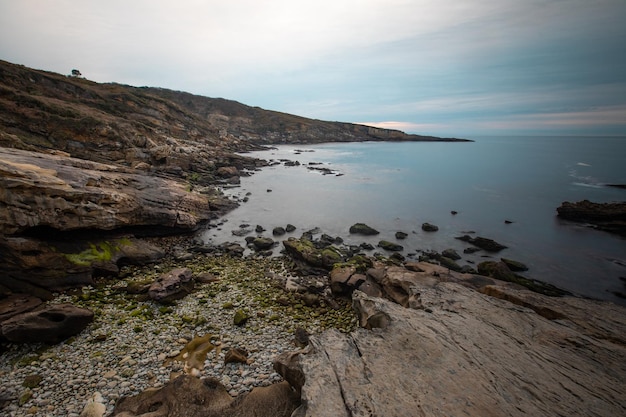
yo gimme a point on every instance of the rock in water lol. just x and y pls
(363, 229)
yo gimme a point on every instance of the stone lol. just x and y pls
(263, 243)
(240, 318)
(236, 355)
(259, 229)
(278, 231)
(401, 235)
(94, 407)
(363, 229)
(172, 285)
(290, 228)
(206, 277)
(515, 266)
(451, 254)
(390, 246)
(339, 277)
(427, 227)
(304, 250)
(51, 324)
(187, 396)
(484, 243)
(464, 354)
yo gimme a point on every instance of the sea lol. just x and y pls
(503, 188)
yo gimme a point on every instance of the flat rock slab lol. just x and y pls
(50, 324)
(468, 354)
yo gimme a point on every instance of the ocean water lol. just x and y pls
(398, 186)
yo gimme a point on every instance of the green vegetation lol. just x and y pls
(97, 252)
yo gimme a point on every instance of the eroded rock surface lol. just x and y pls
(62, 193)
(465, 353)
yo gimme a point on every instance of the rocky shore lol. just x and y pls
(109, 306)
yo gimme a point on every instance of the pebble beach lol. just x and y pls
(134, 343)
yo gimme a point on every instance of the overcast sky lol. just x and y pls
(443, 67)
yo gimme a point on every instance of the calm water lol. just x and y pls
(398, 186)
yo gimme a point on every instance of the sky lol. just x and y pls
(460, 68)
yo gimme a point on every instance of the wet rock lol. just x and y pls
(362, 229)
(515, 266)
(451, 254)
(390, 246)
(401, 235)
(290, 228)
(500, 270)
(304, 250)
(484, 243)
(259, 229)
(301, 337)
(427, 227)
(263, 243)
(51, 324)
(279, 231)
(172, 286)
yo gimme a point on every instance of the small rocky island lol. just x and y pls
(110, 306)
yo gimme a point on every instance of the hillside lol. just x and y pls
(44, 111)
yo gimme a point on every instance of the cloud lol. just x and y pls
(426, 62)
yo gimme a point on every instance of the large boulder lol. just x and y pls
(50, 324)
(187, 396)
(172, 285)
(465, 353)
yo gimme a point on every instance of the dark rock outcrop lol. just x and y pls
(610, 217)
(50, 324)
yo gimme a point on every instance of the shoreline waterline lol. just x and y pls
(391, 198)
